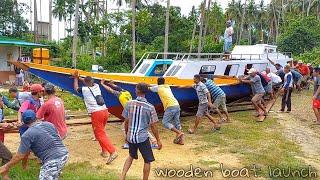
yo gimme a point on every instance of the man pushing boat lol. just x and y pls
(171, 116)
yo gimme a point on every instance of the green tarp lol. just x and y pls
(20, 43)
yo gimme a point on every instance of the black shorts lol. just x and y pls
(145, 150)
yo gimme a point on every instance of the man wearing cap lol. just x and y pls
(53, 111)
(33, 103)
(258, 91)
(43, 140)
(228, 37)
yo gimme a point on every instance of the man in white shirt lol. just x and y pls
(98, 112)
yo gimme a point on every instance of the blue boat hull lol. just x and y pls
(187, 97)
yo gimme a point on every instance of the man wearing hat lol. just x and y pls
(43, 140)
(33, 103)
(53, 111)
(228, 37)
(258, 91)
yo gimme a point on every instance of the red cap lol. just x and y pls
(36, 88)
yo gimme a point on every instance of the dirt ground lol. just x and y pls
(297, 127)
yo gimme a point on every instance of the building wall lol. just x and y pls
(7, 53)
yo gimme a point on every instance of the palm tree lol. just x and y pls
(242, 20)
(59, 11)
(133, 23)
(75, 36)
(202, 17)
(166, 37)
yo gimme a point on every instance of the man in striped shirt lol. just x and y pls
(139, 115)
(287, 89)
(219, 98)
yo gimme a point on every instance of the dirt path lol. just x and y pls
(83, 149)
(299, 128)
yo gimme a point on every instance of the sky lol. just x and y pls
(58, 27)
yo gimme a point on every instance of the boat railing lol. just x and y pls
(157, 55)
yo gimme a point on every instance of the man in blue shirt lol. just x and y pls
(218, 97)
(44, 141)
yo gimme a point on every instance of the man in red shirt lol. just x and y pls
(305, 72)
(53, 111)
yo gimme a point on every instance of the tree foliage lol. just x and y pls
(12, 22)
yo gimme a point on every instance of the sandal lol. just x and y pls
(112, 157)
(190, 131)
(178, 139)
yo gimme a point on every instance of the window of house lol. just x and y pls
(246, 69)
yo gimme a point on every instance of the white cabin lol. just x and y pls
(185, 66)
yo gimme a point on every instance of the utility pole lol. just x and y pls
(75, 36)
(35, 21)
(50, 21)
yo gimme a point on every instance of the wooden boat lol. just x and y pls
(178, 69)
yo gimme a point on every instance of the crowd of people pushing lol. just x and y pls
(42, 125)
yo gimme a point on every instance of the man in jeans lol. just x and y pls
(287, 89)
(99, 114)
(258, 91)
(139, 115)
(43, 140)
(171, 116)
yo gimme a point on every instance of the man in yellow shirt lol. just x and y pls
(171, 116)
(124, 97)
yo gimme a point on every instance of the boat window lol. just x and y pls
(246, 69)
(171, 70)
(159, 70)
(176, 70)
(231, 70)
(260, 67)
(144, 68)
(208, 69)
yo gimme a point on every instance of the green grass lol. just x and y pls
(261, 144)
(74, 171)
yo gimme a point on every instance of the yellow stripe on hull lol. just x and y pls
(129, 78)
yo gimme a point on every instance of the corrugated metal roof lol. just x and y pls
(15, 42)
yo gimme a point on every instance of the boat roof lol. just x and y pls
(253, 49)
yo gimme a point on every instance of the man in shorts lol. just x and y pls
(124, 97)
(204, 103)
(316, 94)
(44, 141)
(219, 98)
(139, 115)
(258, 91)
